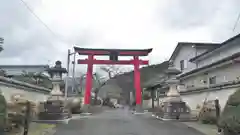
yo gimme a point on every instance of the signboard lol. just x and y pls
(114, 56)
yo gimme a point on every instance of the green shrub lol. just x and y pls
(208, 119)
(207, 113)
(234, 99)
(230, 118)
(208, 116)
(3, 111)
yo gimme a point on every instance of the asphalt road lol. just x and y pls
(122, 122)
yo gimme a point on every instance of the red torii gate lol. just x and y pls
(113, 53)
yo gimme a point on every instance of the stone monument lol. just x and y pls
(55, 108)
(173, 106)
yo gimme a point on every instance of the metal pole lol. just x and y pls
(217, 107)
(66, 81)
(73, 72)
(81, 82)
(158, 98)
(26, 118)
(152, 95)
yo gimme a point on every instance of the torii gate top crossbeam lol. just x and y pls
(120, 52)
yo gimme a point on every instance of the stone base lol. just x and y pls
(176, 111)
(86, 109)
(53, 116)
(139, 109)
(76, 110)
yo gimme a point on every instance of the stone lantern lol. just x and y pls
(55, 108)
(174, 107)
(173, 94)
(56, 77)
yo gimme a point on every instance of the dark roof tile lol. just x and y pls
(180, 44)
(219, 46)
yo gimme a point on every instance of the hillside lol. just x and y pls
(126, 81)
(147, 73)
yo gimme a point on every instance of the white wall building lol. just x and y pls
(209, 71)
(185, 51)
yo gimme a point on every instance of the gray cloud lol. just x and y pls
(23, 36)
(189, 13)
(179, 14)
(27, 41)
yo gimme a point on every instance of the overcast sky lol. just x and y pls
(157, 24)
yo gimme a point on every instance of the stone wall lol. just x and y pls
(196, 98)
(31, 92)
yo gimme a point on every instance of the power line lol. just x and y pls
(39, 19)
(35, 15)
(236, 23)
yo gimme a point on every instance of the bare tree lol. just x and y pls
(1, 42)
(100, 85)
(2, 72)
(112, 70)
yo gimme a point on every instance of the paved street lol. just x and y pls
(122, 122)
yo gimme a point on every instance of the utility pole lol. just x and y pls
(236, 23)
(66, 81)
(68, 68)
(81, 82)
(73, 72)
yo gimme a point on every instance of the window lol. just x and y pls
(182, 65)
(212, 80)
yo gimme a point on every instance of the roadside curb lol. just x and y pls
(181, 120)
(65, 121)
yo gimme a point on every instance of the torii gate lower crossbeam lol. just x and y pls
(113, 53)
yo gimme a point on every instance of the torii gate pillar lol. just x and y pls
(113, 53)
(137, 84)
(87, 96)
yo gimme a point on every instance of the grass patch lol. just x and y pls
(38, 129)
(44, 126)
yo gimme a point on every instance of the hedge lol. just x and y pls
(230, 118)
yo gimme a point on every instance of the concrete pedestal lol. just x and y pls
(139, 109)
(175, 111)
(86, 110)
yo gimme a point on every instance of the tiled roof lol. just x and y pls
(24, 66)
(236, 55)
(180, 44)
(219, 46)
